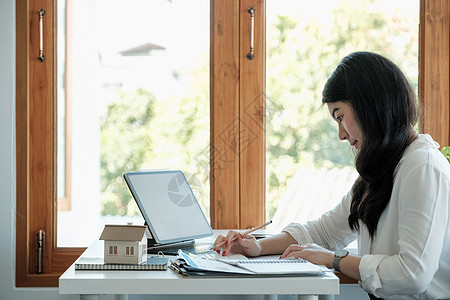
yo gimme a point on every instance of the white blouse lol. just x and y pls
(409, 257)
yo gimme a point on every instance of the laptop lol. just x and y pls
(170, 210)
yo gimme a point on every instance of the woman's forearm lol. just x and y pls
(349, 266)
(276, 244)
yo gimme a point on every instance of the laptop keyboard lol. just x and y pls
(191, 248)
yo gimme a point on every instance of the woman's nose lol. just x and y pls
(342, 133)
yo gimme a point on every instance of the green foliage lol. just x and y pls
(300, 58)
(141, 132)
(182, 132)
(299, 132)
(446, 152)
(125, 141)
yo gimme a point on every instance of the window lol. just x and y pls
(237, 95)
(308, 168)
(113, 250)
(35, 122)
(138, 98)
(64, 111)
(129, 251)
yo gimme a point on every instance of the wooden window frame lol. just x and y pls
(237, 115)
(434, 69)
(237, 122)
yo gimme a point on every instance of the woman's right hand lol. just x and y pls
(246, 245)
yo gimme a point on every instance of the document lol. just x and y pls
(257, 266)
(281, 266)
(200, 264)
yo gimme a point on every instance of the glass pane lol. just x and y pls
(139, 100)
(308, 168)
(61, 96)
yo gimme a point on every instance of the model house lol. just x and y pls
(125, 244)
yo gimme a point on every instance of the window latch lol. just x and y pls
(40, 242)
(251, 11)
(41, 13)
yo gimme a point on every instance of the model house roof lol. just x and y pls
(124, 232)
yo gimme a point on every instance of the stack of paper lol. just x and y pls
(189, 264)
(97, 263)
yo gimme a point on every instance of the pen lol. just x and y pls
(243, 234)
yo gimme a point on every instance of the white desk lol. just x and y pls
(91, 284)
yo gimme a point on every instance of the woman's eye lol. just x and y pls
(339, 118)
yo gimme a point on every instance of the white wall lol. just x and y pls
(8, 184)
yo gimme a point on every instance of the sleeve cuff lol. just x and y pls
(370, 281)
(299, 233)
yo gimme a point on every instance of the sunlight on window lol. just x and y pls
(140, 100)
(138, 84)
(308, 170)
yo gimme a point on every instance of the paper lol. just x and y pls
(201, 264)
(97, 263)
(251, 266)
(219, 257)
(281, 266)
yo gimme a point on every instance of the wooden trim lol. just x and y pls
(237, 116)
(252, 113)
(224, 149)
(35, 154)
(434, 69)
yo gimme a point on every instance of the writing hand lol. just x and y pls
(235, 243)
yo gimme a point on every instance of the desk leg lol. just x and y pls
(315, 297)
(307, 297)
(89, 297)
(326, 297)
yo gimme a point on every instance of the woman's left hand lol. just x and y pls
(311, 252)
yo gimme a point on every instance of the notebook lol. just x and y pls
(96, 263)
(280, 266)
(259, 266)
(170, 210)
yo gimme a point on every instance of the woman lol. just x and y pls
(399, 207)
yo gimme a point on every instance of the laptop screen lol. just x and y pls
(168, 206)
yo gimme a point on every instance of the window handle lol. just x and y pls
(41, 13)
(251, 11)
(40, 255)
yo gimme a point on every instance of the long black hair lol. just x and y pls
(384, 105)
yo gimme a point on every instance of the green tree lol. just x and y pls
(299, 132)
(300, 58)
(125, 141)
(141, 132)
(183, 134)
